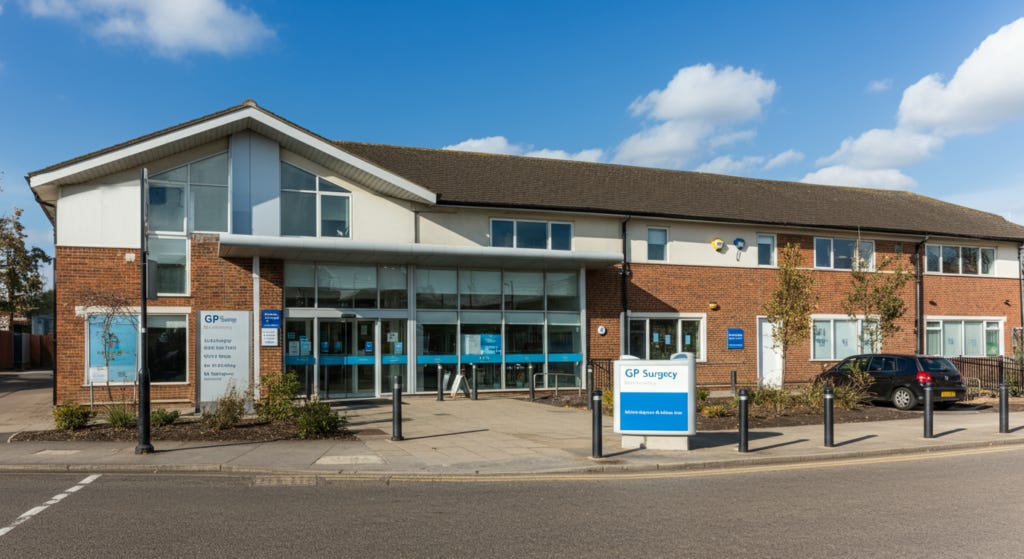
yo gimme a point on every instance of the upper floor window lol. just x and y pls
(657, 244)
(765, 249)
(531, 234)
(952, 259)
(197, 191)
(843, 254)
(312, 206)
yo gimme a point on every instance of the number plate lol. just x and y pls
(947, 394)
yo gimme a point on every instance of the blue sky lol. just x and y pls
(926, 96)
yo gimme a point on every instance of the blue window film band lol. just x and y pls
(471, 359)
(299, 360)
(394, 359)
(524, 358)
(565, 357)
(434, 359)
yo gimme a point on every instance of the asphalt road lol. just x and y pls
(960, 504)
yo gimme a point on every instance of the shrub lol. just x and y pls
(278, 403)
(161, 417)
(608, 400)
(71, 416)
(716, 410)
(122, 415)
(317, 419)
(702, 395)
(774, 399)
(229, 411)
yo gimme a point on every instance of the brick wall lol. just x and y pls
(217, 284)
(742, 292)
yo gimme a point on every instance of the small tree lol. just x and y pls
(789, 306)
(875, 295)
(20, 281)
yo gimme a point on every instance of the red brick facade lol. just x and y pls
(216, 284)
(742, 292)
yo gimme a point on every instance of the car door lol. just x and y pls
(883, 369)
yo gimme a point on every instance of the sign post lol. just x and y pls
(655, 402)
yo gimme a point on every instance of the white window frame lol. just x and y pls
(702, 318)
(774, 254)
(319, 202)
(960, 260)
(188, 262)
(648, 243)
(986, 322)
(832, 319)
(857, 244)
(547, 227)
(189, 216)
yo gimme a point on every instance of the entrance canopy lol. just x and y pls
(366, 252)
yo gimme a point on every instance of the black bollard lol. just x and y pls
(1004, 408)
(590, 383)
(743, 419)
(732, 382)
(396, 414)
(473, 366)
(533, 392)
(829, 399)
(928, 410)
(595, 398)
(440, 384)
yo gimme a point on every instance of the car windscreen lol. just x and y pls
(936, 365)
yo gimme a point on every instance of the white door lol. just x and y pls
(769, 358)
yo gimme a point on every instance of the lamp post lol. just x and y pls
(144, 446)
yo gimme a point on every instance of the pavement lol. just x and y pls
(491, 437)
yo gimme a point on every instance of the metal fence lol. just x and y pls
(986, 373)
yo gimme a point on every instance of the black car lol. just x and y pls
(900, 378)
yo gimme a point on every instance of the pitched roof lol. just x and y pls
(477, 179)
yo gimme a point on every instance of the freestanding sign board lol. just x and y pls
(224, 353)
(655, 401)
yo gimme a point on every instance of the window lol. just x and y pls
(657, 242)
(968, 337)
(171, 256)
(203, 184)
(765, 250)
(839, 338)
(951, 259)
(531, 234)
(660, 337)
(113, 343)
(839, 254)
(312, 206)
(308, 285)
(167, 347)
(192, 197)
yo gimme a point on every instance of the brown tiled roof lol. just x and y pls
(477, 179)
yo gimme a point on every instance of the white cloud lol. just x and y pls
(729, 138)
(1006, 202)
(878, 86)
(726, 165)
(501, 145)
(784, 158)
(844, 175)
(884, 148)
(689, 111)
(170, 28)
(986, 90)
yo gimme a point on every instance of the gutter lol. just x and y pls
(919, 289)
(624, 275)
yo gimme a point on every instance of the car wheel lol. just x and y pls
(903, 398)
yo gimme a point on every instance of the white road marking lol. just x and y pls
(56, 499)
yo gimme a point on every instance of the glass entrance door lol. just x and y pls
(394, 361)
(347, 358)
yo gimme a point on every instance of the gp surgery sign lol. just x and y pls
(656, 397)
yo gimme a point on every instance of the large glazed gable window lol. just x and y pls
(312, 206)
(952, 259)
(201, 187)
(531, 234)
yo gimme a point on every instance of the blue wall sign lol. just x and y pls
(270, 319)
(734, 338)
